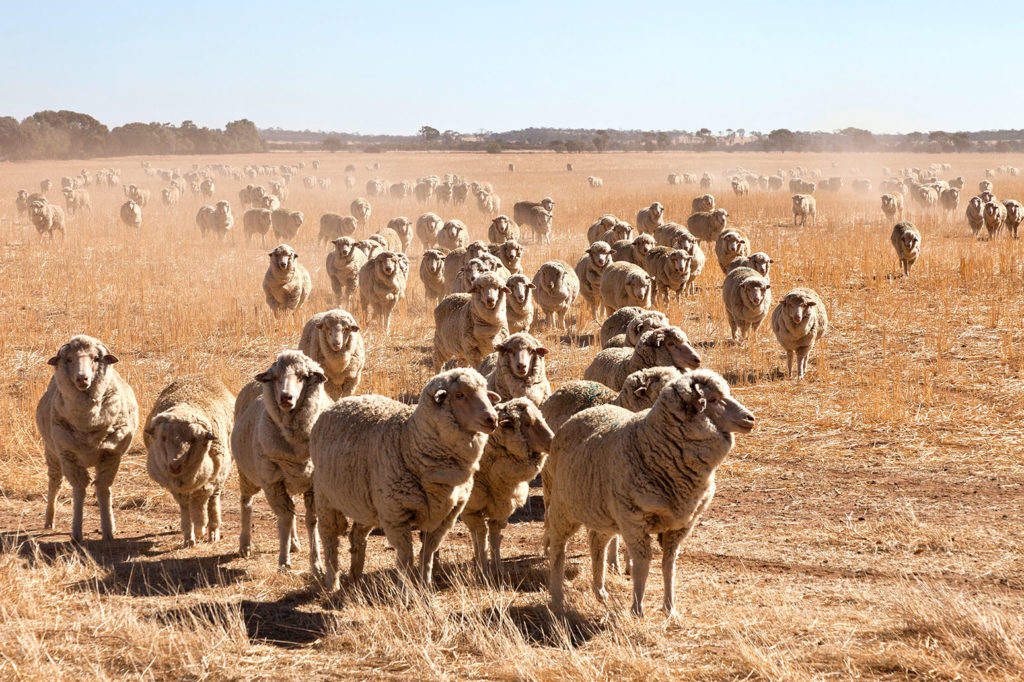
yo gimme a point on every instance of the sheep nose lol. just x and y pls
(491, 421)
(287, 400)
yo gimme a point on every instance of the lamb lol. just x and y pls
(334, 225)
(731, 244)
(907, 242)
(556, 288)
(453, 235)
(360, 209)
(380, 463)
(274, 416)
(799, 320)
(87, 418)
(892, 205)
(468, 326)
(707, 225)
(343, 265)
(519, 303)
(402, 227)
(640, 474)
(432, 275)
(639, 391)
(995, 216)
(669, 270)
(428, 227)
(661, 347)
(949, 199)
(188, 443)
(747, 297)
(760, 262)
(510, 253)
(332, 340)
(286, 223)
(600, 226)
(382, 281)
(625, 326)
(804, 207)
(647, 219)
(519, 370)
(131, 214)
(502, 229)
(625, 284)
(513, 456)
(975, 215)
(589, 270)
(703, 204)
(635, 251)
(215, 219)
(46, 217)
(1014, 216)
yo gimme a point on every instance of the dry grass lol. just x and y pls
(870, 527)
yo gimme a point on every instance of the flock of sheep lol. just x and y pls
(629, 451)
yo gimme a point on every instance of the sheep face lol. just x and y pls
(622, 231)
(733, 244)
(548, 203)
(475, 249)
(718, 218)
(754, 292)
(453, 229)
(684, 242)
(976, 203)
(81, 362)
(464, 393)
(676, 342)
(647, 321)
(223, 208)
(433, 261)
(888, 201)
(704, 397)
(910, 242)
(520, 351)
(643, 244)
(519, 288)
(522, 431)
(343, 246)
(638, 286)
(512, 252)
(657, 210)
(291, 375)
(488, 290)
(797, 308)
(760, 262)
(680, 261)
(501, 224)
(388, 263)
(600, 254)
(336, 330)
(987, 197)
(554, 280)
(471, 271)
(179, 444)
(283, 258)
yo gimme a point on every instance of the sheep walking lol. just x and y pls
(468, 326)
(334, 225)
(216, 219)
(804, 207)
(382, 281)
(428, 227)
(287, 284)
(648, 219)
(703, 204)
(625, 326)
(361, 210)
(975, 215)
(731, 244)
(453, 235)
(669, 270)
(638, 392)
(706, 225)
(87, 418)
(46, 217)
(557, 287)
(635, 251)
(332, 340)
(432, 276)
(589, 270)
(995, 217)
(519, 370)
(131, 214)
(501, 229)
(519, 303)
(799, 320)
(286, 223)
(510, 253)
(257, 222)
(1014, 216)
(747, 297)
(624, 284)
(907, 241)
(662, 347)
(343, 265)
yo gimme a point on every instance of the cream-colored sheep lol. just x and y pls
(464, 279)
(334, 225)
(402, 227)
(647, 219)
(703, 204)
(392, 240)
(453, 235)
(635, 251)
(976, 215)
(501, 229)
(361, 210)
(740, 187)
(188, 443)
(87, 418)
(46, 217)
(274, 416)
(637, 475)
(731, 244)
(1014, 216)
(892, 205)
(371, 246)
(625, 284)
(468, 326)
(799, 320)
(216, 219)
(673, 235)
(519, 303)
(457, 259)
(131, 214)
(286, 285)
(707, 225)
(660, 347)
(428, 227)
(669, 270)
(432, 276)
(625, 326)
(995, 217)
(804, 207)
(595, 181)
(557, 287)
(343, 265)
(616, 233)
(381, 463)
(519, 370)
(760, 261)
(510, 253)
(949, 198)
(589, 270)
(907, 241)
(747, 296)
(286, 223)
(332, 339)
(639, 391)
(513, 456)
(382, 281)
(600, 226)
(985, 186)
(76, 200)
(257, 222)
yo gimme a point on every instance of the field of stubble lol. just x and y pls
(870, 526)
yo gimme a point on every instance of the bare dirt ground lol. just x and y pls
(870, 527)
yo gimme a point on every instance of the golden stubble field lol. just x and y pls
(870, 526)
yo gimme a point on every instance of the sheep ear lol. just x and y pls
(542, 351)
(318, 378)
(506, 290)
(640, 390)
(320, 324)
(493, 397)
(811, 304)
(440, 395)
(54, 361)
(531, 285)
(697, 400)
(265, 377)
(109, 359)
(353, 327)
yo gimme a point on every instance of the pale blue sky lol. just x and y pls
(389, 66)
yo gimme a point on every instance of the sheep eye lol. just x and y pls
(460, 396)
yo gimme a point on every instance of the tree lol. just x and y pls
(601, 140)
(703, 132)
(450, 137)
(782, 139)
(331, 143)
(554, 145)
(664, 141)
(429, 134)
(649, 142)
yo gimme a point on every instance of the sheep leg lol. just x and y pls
(640, 552)
(54, 477)
(284, 509)
(400, 537)
(330, 528)
(613, 554)
(315, 564)
(432, 540)
(801, 362)
(789, 364)
(357, 549)
(247, 489)
(78, 477)
(598, 549)
(105, 473)
(187, 537)
(477, 531)
(494, 528)
(558, 531)
(199, 517)
(213, 512)
(670, 549)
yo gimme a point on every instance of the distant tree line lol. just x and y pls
(71, 135)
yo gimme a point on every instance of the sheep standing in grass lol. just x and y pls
(648, 219)
(513, 456)
(747, 297)
(468, 326)
(669, 270)
(402, 227)
(382, 281)
(557, 287)
(47, 218)
(907, 242)
(892, 206)
(638, 392)
(589, 270)
(600, 226)
(216, 220)
(332, 340)
(706, 225)
(661, 347)
(804, 207)
(287, 284)
(995, 217)
(510, 253)
(625, 326)
(638, 475)
(635, 251)
(760, 261)
(519, 303)
(343, 265)
(616, 233)
(1014, 216)
(188, 443)
(87, 418)
(286, 223)
(730, 245)
(334, 225)
(519, 370)
(949, 198)
(453, 235)
(131, 214)
(976, 215)
(799, 320)
(380, 463)
(274, 416)
(457, 259)
(501, 229)
(257, 222)
(432, 276)
(428, 227)
(361, 211)
(625, 284)
(703, 204)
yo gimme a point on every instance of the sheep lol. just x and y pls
(995, 216)
(45, 185)
(400, 190)
(747, 296)
(638, 474)
(87, 418)
(799, 320)
(556, 288)
(286, 223)
(519, 370)
(287, 284)
(334, 225)
(625, 326)
(487, 202)
(635, 251)
(342, 266)
(589, 270)
(907, 242)
(975, 214)
(1014, 216)
(374, 188)
(332, 340)
(139, 195)
(600, 226)
(453, 235)
(513, 456)
(703, 204)
(392, 240)
(892, 205)
(740, 187)
(370, 246)
(77, 199)
(987, 197)
(731, 244)
(669, 270)
(21, 202)
(647, 219)
(675, 179)
(464, 279)
(382, 281)
(639, 391)
(432, 275)
(625, 284)
(188, 443)
(660, 347)
(171, 196)
(274, 416)
(131, 214)
(510, 253)
(46, 217)
(949, 199)
(595, 181)
(985, 186)
(761, 262)
(618, 232)
(457, 259)
(538, 220)
(402, 227)
(673, 235)
(428, 227)
(360, 209)
(707, 225)
(207, 188)
(379, 462)
(468, 326)
(502, 229)
(519, 303)
(215, 219)
(443, 193)
(706, 181)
